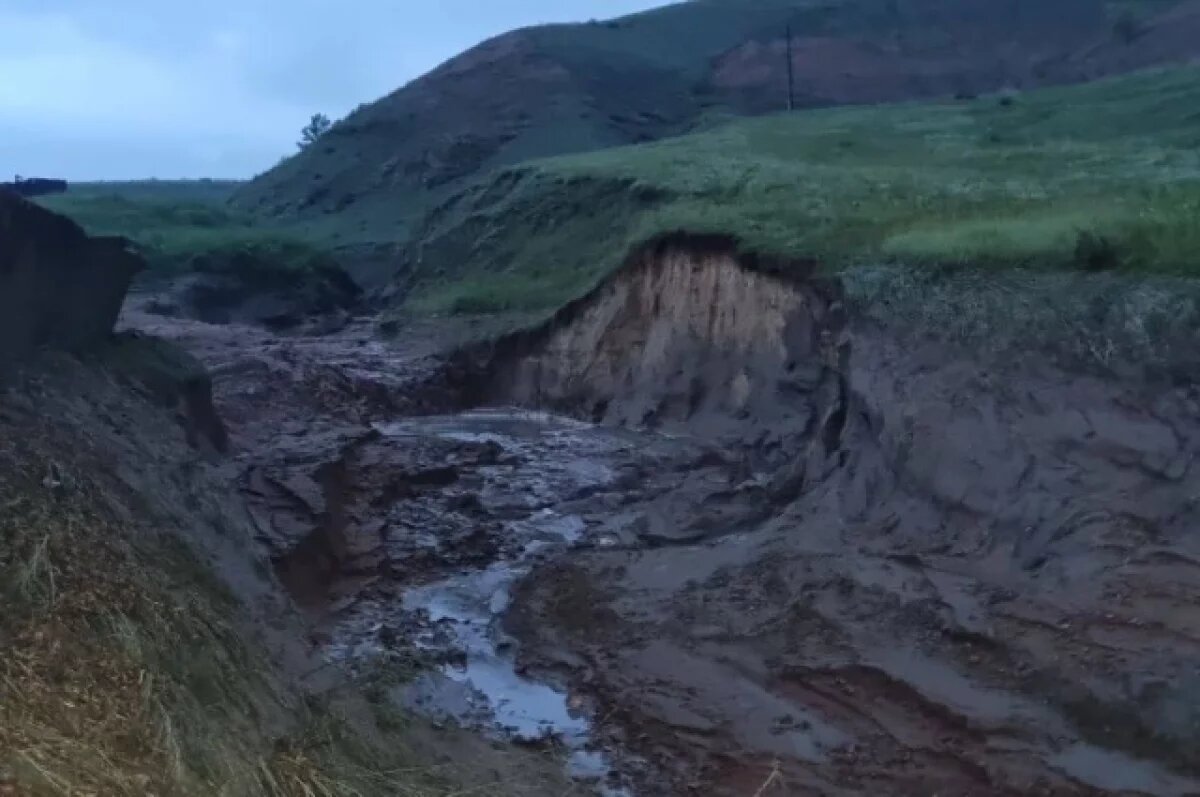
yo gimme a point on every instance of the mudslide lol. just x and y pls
(759, 547)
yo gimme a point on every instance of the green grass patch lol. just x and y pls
(201, 191)
(178, 231)
(1096, 177)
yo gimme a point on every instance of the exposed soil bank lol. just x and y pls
(683, 332)
(921, 574)
(58, 287)
(794, 550)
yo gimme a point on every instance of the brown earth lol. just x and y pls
(969, 578)
(58, 287)
(960, 49)
(798, 549)
(1171, 36)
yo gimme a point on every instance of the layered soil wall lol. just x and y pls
(689, 331)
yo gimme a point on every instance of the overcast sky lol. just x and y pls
(127, 89)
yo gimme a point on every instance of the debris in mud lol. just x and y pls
(515, 466)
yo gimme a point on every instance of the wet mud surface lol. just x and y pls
(937, 582)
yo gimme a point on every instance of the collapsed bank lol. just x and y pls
(820, 551)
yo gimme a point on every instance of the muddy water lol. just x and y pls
(548, 484)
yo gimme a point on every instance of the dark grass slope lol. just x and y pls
(180, 225)
(573, 88)
(1100, 177)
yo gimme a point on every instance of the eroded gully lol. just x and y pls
(543, 487)
(869, 575)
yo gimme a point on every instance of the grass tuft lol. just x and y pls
(122, 673)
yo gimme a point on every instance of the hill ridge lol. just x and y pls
(562, 89)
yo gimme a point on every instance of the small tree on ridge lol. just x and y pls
(317, 126)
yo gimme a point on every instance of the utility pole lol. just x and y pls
(790, 72)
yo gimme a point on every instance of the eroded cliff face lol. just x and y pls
(686, 332)
(1006, 547)
(58, 287)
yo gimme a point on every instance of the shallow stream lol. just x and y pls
(546, 468)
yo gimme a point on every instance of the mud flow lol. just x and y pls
(706, 533)
(539, 488)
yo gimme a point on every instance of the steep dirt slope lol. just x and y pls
(915, 569)
(147, 645)
(57, 286)
(674, 337)
(570, 88)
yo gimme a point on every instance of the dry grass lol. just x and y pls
(77, 715)
(121, 672)
(302, 768)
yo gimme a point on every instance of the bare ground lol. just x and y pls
(817, 560)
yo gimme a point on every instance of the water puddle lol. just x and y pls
(463, 614)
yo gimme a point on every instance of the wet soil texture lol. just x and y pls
(790, 556)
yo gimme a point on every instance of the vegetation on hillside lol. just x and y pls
(562, 89)
(379, 169)
(1104, 176)
(181, 226)
(317, 126)
(203, 191)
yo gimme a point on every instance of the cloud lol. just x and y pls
(137, 88)
(60, 82)
(54, 71)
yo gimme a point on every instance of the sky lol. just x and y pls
(132, 89)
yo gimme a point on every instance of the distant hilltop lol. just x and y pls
(34, 186)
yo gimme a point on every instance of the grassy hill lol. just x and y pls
(173, 222)
(201, 192)
(1104, 176)
(564, 89)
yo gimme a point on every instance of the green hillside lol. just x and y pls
(175, 222)
(563, 89)
(1104, 176)
(531, 93)
(203, 191)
